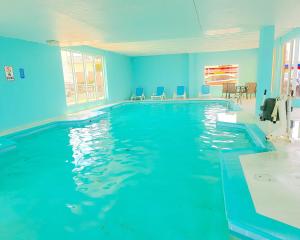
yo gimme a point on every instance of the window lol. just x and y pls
(217, 75)
(83, 76)
(290, 79)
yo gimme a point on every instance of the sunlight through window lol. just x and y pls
(83, 76)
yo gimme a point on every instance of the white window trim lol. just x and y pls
(94, 56)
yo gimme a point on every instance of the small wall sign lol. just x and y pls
(9, 73)
(22, 73)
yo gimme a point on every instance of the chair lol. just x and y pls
(240, 92)
(225, 89)
(205, 90)
(180, 92)
(139, 94)
(231, 89)
(160, 94)
(251, 89)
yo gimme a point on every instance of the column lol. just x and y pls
(264, 64)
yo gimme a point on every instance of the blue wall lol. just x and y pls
(41, 94)
(246, 59)
(165, 70)
(265, 64)
(188, 70)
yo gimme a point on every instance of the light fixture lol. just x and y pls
(222, 31)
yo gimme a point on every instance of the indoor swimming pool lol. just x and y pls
(138, 171)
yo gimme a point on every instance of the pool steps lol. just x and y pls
(257, 136)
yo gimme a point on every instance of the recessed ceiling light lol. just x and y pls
(222, 31)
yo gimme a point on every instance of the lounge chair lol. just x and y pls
(139, 94)
(205, 91)
(180, 92)
(160, 94)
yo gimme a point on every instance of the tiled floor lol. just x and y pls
(274, 182)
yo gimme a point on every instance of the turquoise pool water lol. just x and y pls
(140, 172)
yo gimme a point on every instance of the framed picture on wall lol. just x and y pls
(220, 74)
(9, 73)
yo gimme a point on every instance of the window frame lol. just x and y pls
(96, 92)
(290, 67)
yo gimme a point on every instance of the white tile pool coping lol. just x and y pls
(85, 114)
(81, 115)
(273, 178)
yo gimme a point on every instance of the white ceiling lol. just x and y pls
(140, 27)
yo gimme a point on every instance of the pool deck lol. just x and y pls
(266, 185)
(261, 186)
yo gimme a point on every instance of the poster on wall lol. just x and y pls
(220, 74)
(9, 73)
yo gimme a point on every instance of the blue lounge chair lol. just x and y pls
(160, 94)
(205, 90)
(180, 92)
(139, 94)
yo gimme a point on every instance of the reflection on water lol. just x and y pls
(100, 166)
(103, 162)
(217, 139)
